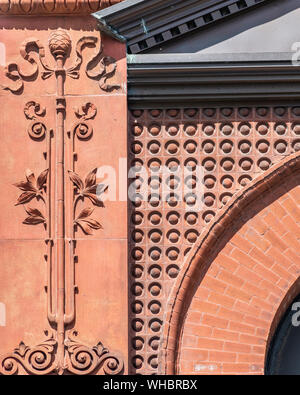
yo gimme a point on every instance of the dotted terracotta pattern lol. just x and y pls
(232, 146)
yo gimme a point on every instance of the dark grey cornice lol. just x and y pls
(145, 24)
(164, 80)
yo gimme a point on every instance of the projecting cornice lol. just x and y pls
(193, 79)
(53, 7)
(146, 24)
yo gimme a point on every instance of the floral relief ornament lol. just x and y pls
(100, 68)
(60, 352)
(91, 190)
(32, 188)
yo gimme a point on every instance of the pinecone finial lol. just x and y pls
(59, 43)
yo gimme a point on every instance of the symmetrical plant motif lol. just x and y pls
(61, 353)
(99, 67)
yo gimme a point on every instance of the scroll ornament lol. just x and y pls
(99, 68)
(61, 352)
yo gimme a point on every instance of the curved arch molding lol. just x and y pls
(196, 265)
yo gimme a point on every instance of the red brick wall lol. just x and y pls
(238, 295)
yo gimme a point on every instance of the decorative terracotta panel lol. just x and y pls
(61, 195)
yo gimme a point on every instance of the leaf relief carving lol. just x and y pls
(91, 190)
(32, 188)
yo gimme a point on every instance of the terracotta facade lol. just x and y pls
(68, 114)
(176, 280)
(233, 147)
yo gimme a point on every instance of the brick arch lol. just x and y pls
(237, 281)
